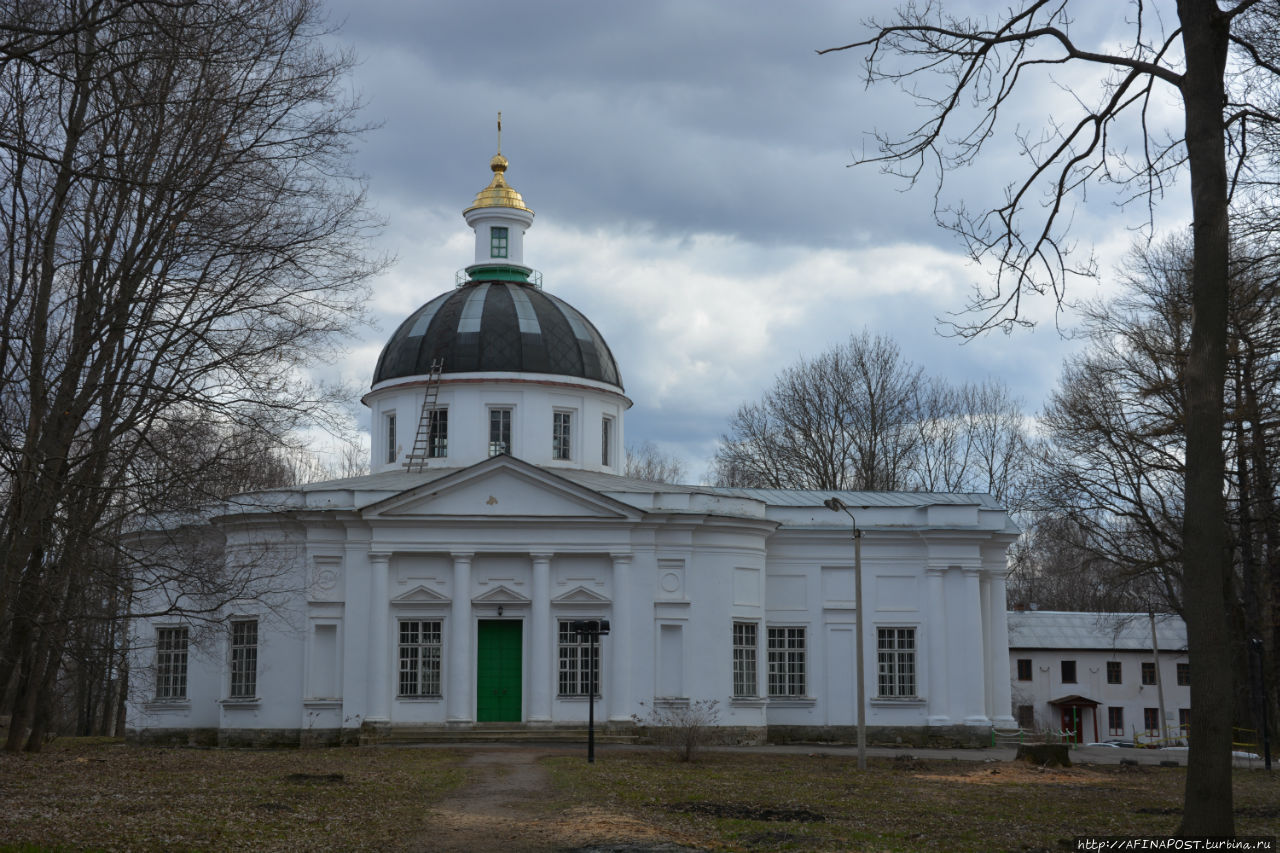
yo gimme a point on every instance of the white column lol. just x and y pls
(541, 650)
(984, 589)
(939, 695)
(1001, 709)
(380, 659)
(458, 653)
(970, 660)
(618, 678)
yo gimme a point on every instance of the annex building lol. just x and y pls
(438, 592)
(1101, 676)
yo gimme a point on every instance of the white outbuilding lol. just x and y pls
(437, 594)
(1101, 676)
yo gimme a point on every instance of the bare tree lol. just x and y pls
(843, 420)
(859, 416)
(1115, 427)
(1222, 63)
(647, 462)
(182, 239)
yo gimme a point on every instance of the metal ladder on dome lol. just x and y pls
(416, 461)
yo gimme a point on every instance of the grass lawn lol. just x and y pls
(746, 801)
(99, 794)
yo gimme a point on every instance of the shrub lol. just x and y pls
(682, 728)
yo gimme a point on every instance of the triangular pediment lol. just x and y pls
(501, 487)
(420, 595)
(580, 595)
(500, 594)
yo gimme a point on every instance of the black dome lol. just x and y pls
(498, 326)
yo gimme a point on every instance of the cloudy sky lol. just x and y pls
(688, 164)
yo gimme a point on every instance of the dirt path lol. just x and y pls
(510, 807)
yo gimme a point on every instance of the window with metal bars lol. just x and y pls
(171, 663)
(561, 435)
(896, 654)
(499, 431)
(744, 659)
(244, 658)
(420, 647)
(606, 441)
(579, 663)
(438, 433)
(786, 658)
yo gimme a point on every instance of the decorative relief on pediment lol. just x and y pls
(501, 594)
(420, 595)
(580, 595)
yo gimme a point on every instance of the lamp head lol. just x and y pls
(835, 505)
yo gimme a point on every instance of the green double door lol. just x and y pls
(498, 665)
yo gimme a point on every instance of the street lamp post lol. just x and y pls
(837, 505)
(592, 630)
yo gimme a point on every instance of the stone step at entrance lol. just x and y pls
(498, 733)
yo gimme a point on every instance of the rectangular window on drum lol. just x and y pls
(497, 242)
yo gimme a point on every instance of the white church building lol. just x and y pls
(437, 593)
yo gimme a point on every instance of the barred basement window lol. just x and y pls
(171, 663)
(1026, 717)
(896, 650)
(438, 434)
(419, 658)
(744, 659)
(579, 669)
(499, 431)
(786, 653)
(244, 658)
(498, 242)
(561, 435)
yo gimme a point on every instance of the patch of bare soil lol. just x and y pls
(507, 809)
(1021, 773)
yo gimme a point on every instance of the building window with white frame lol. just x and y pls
(606, 440)
(896, 654)
(786, 656)
(744, 660)
(171, 663)
(420, 654)
(244, 658)
(561, 435)
(579, 663)
(498, 236)
(499, 431)
(438, 434)
(391, 438)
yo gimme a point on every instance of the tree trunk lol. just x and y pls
(1207, 808)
